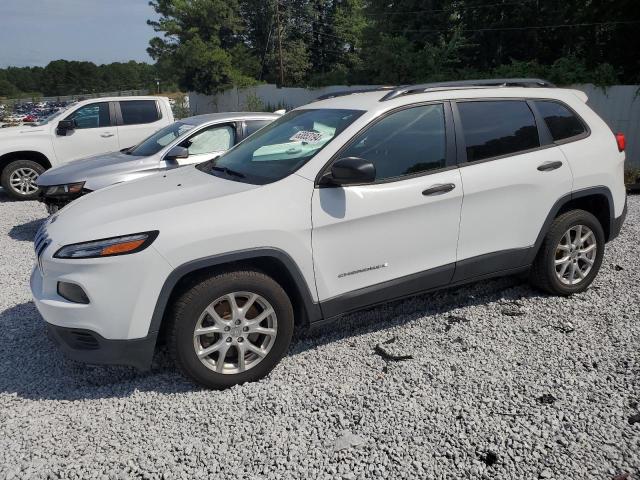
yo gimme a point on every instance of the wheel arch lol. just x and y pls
(595, 200)
(272, 261)
(32, 155)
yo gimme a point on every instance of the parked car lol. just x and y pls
(338, 205)
(187, 141)
(85, 128)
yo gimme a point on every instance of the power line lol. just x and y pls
(452, 9)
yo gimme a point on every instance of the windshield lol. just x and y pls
(160, 139)
(280, 148)
(57, 113)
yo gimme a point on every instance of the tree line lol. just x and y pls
(214, 44)
(62, 77)
(211, 45)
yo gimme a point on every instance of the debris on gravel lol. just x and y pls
(468, 391)
(546, 399)
(347, 440)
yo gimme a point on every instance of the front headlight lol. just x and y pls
(108, 247)
(64, 189)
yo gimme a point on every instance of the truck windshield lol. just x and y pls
(48, 118)
(163, 137)
(280, 148)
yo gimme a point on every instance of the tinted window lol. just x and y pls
(212, 139)
(403, 143)
(561, 121)
(253, 125)
(94, 115)
(496, 128)
(139, 111)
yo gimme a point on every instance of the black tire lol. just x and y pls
(543, 271)
(188, 307)
(8, 171)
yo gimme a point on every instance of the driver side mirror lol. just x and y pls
(65, 126)
(349, 171)
(177, 153)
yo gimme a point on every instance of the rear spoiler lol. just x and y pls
(581, 95)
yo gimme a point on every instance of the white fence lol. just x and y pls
(618, 105)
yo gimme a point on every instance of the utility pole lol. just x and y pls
(279, 42)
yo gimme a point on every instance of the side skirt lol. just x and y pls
(497, 264)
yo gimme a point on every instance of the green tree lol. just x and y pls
(198, 39)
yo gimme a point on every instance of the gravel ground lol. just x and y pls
(493, 380)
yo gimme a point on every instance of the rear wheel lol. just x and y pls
(571, 254)
(230, 328)
(19, 179)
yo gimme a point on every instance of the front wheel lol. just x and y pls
(571, 254)
(230, 328)
(19, 179)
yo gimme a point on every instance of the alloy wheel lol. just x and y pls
(235, 332)
(575, 255)
(23, 181)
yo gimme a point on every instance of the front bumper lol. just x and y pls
(122, 292)
(90, 347)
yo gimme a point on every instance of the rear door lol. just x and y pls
(398, 235)
(512, 175)
(137, 119)
(95, 133)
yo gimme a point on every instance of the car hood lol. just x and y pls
(140, 205)
(91, 168)
(21, 132)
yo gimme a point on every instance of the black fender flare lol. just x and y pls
(561, 202)
(312, 309)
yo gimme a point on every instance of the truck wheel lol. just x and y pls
(19, 179)
(230, 328)
(570, 255)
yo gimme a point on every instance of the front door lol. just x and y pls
(94, 133)
(398, 235)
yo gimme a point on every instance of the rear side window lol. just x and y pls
(561, 121)
(497, 128)
(209, 140)
(255, 125)
(406, 142)
(135, 112)
(94, 115)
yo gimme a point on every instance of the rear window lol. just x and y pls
(135, 112)
(497, 128)
(561, 121)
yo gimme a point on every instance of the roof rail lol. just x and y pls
(342, 93)
(489, 82)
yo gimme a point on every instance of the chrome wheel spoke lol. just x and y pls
(241, 357)
(255, 349)
(264, 331)
(209, 350)
(208, 330)
(588, 249)
(257, 320)
(221, 357)
(563, 260)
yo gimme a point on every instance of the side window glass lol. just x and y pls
(561, 121)
(255, 125)
(496, 128)
(94, 115)
(135, 112)
(213, 139)
(406, 142)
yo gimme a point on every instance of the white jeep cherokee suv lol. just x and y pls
(85, 128)
(338, 205)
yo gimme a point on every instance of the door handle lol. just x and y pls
(439, 189)
(548, 166)
(107, 135)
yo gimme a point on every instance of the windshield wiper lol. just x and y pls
(228, 171)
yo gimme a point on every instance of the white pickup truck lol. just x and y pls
(83, 129)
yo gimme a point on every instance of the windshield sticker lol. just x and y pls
(307, 137)
(184, 128)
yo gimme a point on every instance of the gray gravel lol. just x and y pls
(503, 382)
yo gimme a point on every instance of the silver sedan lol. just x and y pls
(185, 142)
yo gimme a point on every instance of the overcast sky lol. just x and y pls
(34, 32)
